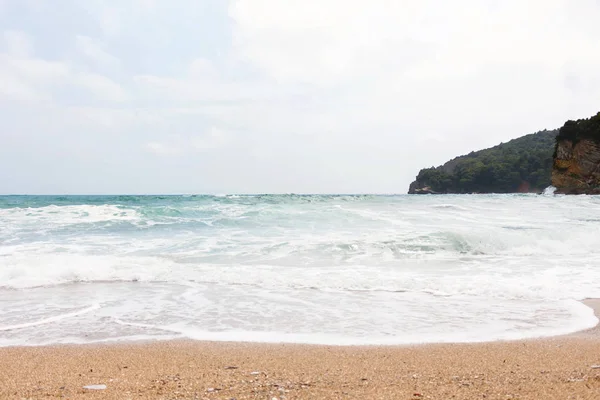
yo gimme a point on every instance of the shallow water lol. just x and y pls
(309, 269)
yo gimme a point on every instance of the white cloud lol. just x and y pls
(213, 139)
(330, 41)
(37, 79)
(36, 69)
(102, 87)
(163, 149)
(140, 18)
(401, 63)
(25, 78)
(110, 119)
(202, 83)
(18, 43)
(22, 73)
(178, 144)
(12, 88)
(147, 5)
(95, 51)
(313, 95)
(326, 42)
(110, 20)
(201, 68)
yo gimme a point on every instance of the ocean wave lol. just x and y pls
(488, 277)
(63, 215)
(235, 254)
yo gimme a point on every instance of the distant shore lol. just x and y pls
(552, 368)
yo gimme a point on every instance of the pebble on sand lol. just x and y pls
(95, 387)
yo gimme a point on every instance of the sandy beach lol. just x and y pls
(565, 367)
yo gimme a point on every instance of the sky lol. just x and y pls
(272, 96)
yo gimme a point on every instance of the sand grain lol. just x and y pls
(542, 369)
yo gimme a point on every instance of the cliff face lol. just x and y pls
(577, 167)
(576, 163)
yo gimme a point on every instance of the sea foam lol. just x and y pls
(310, 269)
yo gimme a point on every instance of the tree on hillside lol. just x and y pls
(506, 168)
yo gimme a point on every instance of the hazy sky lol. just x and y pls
(303, 96)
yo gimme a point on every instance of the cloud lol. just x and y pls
(402, 63)
(204, 83)
(163, 149)
(38, 79)
(147, 5)
(102, 87)
(94, 51)
(311, 96)
(214, 138)
(336, 41)
(24, 77)
(12, 88)
(18, 43)
(37, 70)
(110, 19)
(333, 41)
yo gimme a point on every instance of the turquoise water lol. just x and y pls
(288, 268)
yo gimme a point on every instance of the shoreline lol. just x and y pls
(590, 333)
(557, 367)
(593, 332)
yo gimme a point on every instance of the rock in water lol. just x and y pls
(425, 190)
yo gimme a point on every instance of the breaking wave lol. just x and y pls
(317, 266)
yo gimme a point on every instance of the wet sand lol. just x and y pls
(553, 368)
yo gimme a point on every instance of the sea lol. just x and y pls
(316, 269)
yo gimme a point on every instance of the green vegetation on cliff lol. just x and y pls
(521, 165)
(587, 128)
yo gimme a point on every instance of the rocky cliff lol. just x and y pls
(576, 162)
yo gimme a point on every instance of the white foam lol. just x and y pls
(21, 271)
(370, 271)
(63, 215)
(583, 318)
(49, 320)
